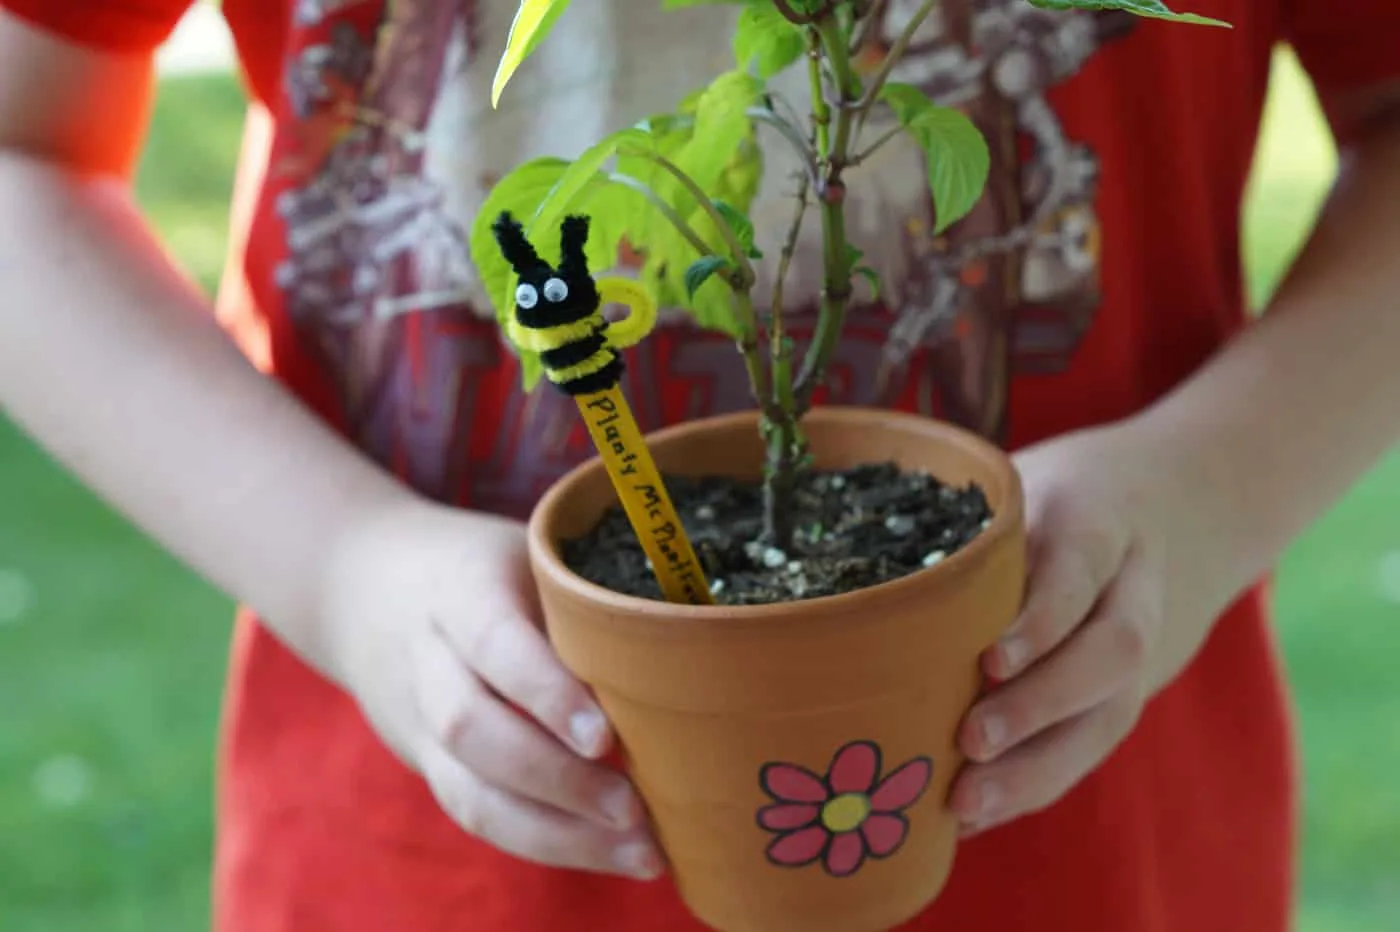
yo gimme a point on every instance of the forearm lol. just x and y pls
(114, 364)
(1275, 430)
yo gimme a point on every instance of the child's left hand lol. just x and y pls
(1093, 642)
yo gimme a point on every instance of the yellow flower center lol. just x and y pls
(846, 812)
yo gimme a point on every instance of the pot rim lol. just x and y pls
(1006, 521)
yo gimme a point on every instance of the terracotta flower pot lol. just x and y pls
(796, 758)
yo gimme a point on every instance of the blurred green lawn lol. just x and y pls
(111, 655)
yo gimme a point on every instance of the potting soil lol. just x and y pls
(855, 528)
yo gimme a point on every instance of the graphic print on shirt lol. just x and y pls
(391, 146)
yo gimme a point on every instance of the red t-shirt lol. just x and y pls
(1121, 149)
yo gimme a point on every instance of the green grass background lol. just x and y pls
(111, 654)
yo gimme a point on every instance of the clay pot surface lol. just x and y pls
(795, 758)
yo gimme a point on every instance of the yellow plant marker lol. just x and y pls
(643, 494)
(558, 315)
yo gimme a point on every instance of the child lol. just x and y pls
(402, 751)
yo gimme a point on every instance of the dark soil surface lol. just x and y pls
(855, 528)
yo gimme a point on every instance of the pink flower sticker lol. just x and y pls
(845, 817)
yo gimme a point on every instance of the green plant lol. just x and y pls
(678, 186)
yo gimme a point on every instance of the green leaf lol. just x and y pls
(533, 22)
(741, 225)
(736, 187)
(722, 124)
(541, 191)
(583, 171)
(667, 135)
(609, 207)
(711, 139)
(520, 192)
(531, 370)
(853, 256)
(700, 271)
(681, 4)
(872, 277)
(958, 159)
(766, 40)
(1153, 9)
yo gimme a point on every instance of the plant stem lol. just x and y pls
(821, 113)
(786, 450)
(827, 43)
(892, 58)
(870, 19)
(748, 343)
(835, 123)
(738, 254)
(875, 146)
(667, 211)
(789, 250)
(785, 7)
(847, 87)
(786, 445)
(740, 282)
(836, 289)
(790, 133)
(901, 45)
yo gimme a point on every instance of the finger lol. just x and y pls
(1043, 769)
(508, 750)
(534, 832)
(511, 654)
(1068, 572)
(1107, 654)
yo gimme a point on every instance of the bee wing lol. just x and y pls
(641, 320)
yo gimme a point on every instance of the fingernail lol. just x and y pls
(988, 799)
(617, 806)
(1014, 653)
(994, 730)
(639, 860)
(587, 728)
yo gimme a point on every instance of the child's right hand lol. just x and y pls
(430, 621)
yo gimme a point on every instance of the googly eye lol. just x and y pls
(555, 290)
(526, 296)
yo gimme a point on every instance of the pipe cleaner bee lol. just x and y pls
(559, 312)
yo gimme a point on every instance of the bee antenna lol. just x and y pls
(510, 236)
(573, 237)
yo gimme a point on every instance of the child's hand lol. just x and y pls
(1094, 640)
(431, 624)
